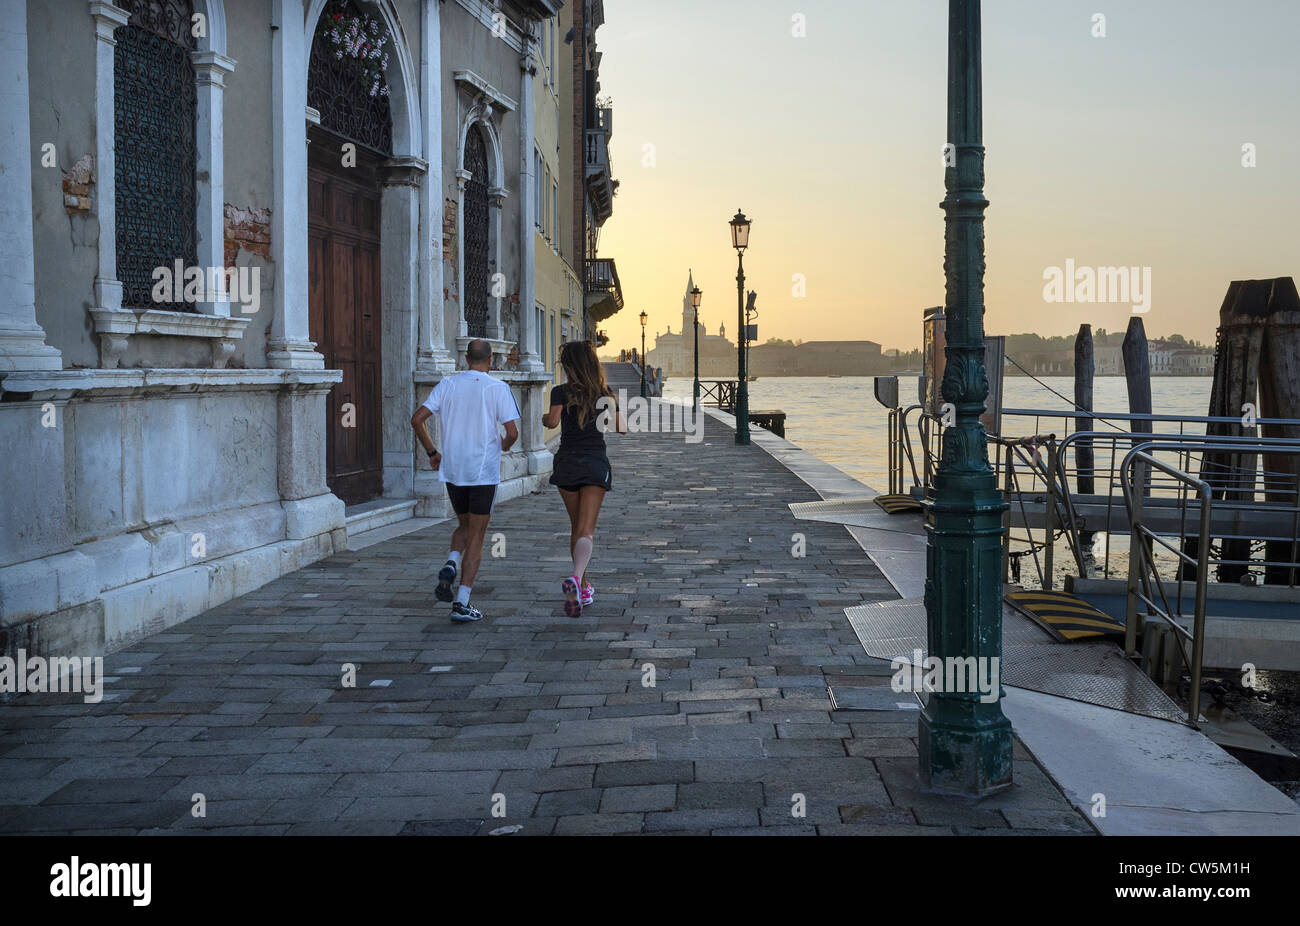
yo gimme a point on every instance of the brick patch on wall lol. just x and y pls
(77, 181)
(249, 229)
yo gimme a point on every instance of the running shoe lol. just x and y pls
(446, 576)
(588, 595)
(572, 599)
(463, 613)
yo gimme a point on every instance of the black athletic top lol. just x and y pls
(575, 439)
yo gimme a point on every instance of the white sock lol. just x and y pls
(454, 557)
(462, 596)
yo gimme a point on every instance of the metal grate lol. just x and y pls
(837, 510)
(154, 104)
(336, 89)
(476, 235)
(1096, 673)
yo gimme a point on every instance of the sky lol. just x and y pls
(1122, 150)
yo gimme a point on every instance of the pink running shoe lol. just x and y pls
(588, 595)
(572, 599)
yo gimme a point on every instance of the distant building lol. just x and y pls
(837, 358)
(1107, 361)
(676, 352)
(1193, 362)
(1047, 363)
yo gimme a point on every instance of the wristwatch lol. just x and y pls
(433, 453)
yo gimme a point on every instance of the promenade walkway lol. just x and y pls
(542, 718)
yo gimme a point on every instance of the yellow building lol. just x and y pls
(572, 184)
(558, 297)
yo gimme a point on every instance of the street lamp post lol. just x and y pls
(964, 743)
(643, 317)
(740, 241)
(695, 304)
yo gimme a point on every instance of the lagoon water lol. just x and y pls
(839, 420)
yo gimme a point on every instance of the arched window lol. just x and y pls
(350, 104)
(476, 234)
(154, 103)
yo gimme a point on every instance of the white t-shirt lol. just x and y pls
(472, 406)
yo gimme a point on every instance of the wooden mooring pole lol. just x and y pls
(1083, 455)
(1137, 374)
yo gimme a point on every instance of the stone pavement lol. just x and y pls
(544, 719)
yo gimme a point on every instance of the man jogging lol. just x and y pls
(471, 406)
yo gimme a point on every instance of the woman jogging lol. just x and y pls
(583, 407)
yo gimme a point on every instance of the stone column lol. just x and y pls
(431, 352)
(528, 357)
(536, 403)
(496, 328)
(210, 70)
(290, 345)
(108, 289)
(462, 330)
(400, 274)
(22, 340)
(309, 506)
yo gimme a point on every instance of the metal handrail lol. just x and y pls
(900, 446)
(1141, 416)
(721, 391)
(1188, 442)
(1143, 571)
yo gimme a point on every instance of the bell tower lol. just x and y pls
(688, 311)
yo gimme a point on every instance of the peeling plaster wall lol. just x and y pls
(61, 40)
(247, 135)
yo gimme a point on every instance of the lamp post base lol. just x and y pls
(971, 758)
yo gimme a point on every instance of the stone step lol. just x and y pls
(378, 513)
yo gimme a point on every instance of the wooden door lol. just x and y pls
(343, 253)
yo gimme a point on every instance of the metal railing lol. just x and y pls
(1144, 579)
(720, 393)
(900, 449)
(602, 278)
(1070, 489)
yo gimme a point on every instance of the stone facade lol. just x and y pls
(160, 461)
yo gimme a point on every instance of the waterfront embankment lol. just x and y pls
(692, 698)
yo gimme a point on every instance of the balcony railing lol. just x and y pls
(604, 292)
(599, 177)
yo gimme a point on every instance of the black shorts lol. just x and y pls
(471, 499)
(572, 471)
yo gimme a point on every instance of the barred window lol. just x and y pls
(477, 272)
(154, 104)
(352, 102)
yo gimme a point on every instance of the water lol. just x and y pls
(839, 420)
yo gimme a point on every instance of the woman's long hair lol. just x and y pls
(586, 379)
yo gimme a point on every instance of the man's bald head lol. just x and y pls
(478, 353)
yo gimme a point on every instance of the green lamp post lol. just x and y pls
(695, 304)
(964, 741)
(643, 317)
(740, 241)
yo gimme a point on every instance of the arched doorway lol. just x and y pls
(477, 231)
(353, 139)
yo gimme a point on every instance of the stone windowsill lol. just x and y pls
(64, 384)
(116, 327)
(427, 377)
